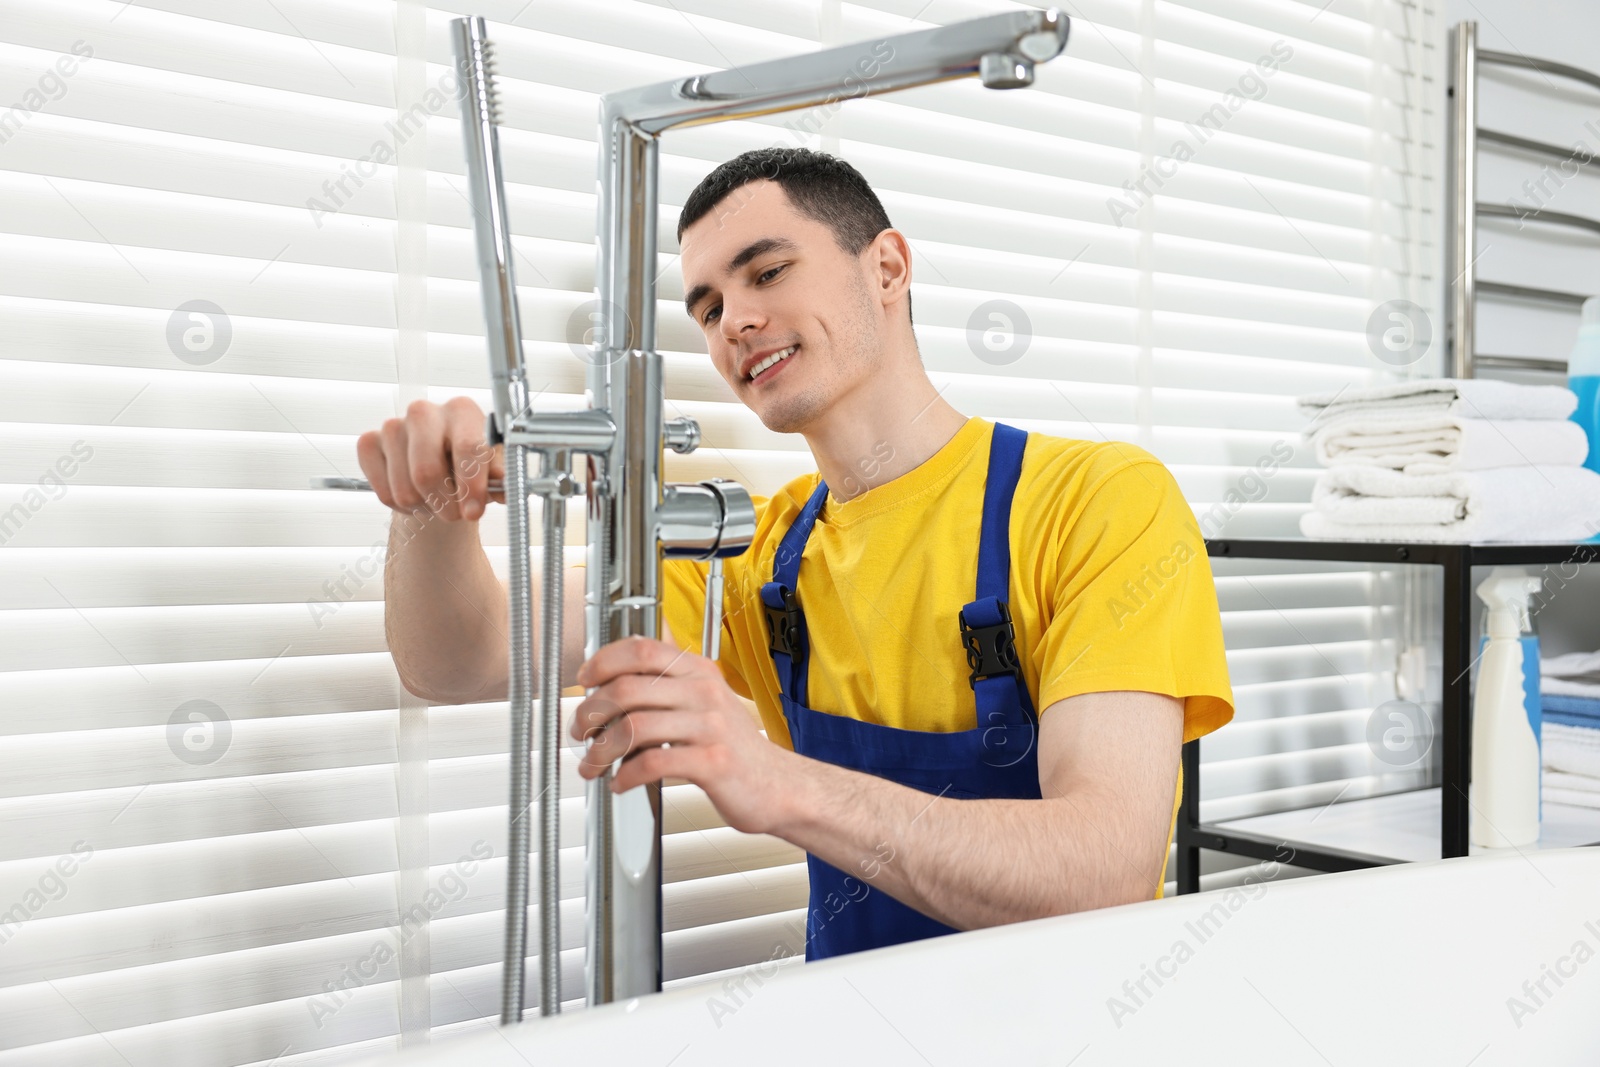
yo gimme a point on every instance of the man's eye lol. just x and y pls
(712, 313)
(767, 273)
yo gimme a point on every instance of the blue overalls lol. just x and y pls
(997, 758)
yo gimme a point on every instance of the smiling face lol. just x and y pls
(762, 279)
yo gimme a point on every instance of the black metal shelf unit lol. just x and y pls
(1455, 737)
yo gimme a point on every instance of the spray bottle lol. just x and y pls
(1505, 751)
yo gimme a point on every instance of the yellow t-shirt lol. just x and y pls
(1110, 589)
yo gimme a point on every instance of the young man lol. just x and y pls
(975, 651)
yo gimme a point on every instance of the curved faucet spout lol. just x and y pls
(1001, 50)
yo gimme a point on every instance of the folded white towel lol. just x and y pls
(1351, 502)
(1578, 666)
(1573, 749)
(1574, 674)
(1580, 783)
(1576, 798)
(1434, 442)
(1478, 398)
(1569, 687)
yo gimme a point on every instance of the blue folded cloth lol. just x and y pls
(1571, 710)
(1572, 704)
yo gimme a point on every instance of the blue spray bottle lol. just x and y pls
(1583, 378)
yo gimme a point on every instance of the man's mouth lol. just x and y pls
(768, 367)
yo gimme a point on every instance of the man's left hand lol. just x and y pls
(669, 713)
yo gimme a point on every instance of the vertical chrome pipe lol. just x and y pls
(552, 600)
(599, 976)
(623, 921)
(1463, 230)
(492, 232)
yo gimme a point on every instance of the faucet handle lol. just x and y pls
(711, 625)
(682, 435)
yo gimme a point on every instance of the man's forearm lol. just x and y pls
(967, 863)
(445, 610)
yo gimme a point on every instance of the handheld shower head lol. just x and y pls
(480, 118)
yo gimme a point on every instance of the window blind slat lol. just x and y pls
(179, 45)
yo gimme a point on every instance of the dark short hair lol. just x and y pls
(821, 187)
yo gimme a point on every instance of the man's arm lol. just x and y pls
(444, 609)
(445, 614)
(1108, 766)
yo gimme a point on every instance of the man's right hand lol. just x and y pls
(435, 459)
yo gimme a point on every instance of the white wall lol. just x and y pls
(1567, 31)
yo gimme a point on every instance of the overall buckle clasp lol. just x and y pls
(786, 625)
(991, 650)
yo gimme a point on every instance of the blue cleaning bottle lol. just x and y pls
(1583, 378)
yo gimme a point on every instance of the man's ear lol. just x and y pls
(889, 267)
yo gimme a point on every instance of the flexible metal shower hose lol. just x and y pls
(555, 513)
(519, 690)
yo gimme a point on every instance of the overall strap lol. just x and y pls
(986, 629)
(785, 622)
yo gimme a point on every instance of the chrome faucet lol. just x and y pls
(633, 519)
(624, 886)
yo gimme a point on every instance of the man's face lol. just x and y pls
(762, 278)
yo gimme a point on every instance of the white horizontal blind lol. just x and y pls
(195, 689)
(222, 152)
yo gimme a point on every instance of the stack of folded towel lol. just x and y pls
(1450, 459)
(1569, 690)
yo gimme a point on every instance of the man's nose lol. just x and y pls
(740, 319)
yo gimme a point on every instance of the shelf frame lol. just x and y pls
(1455, 735)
